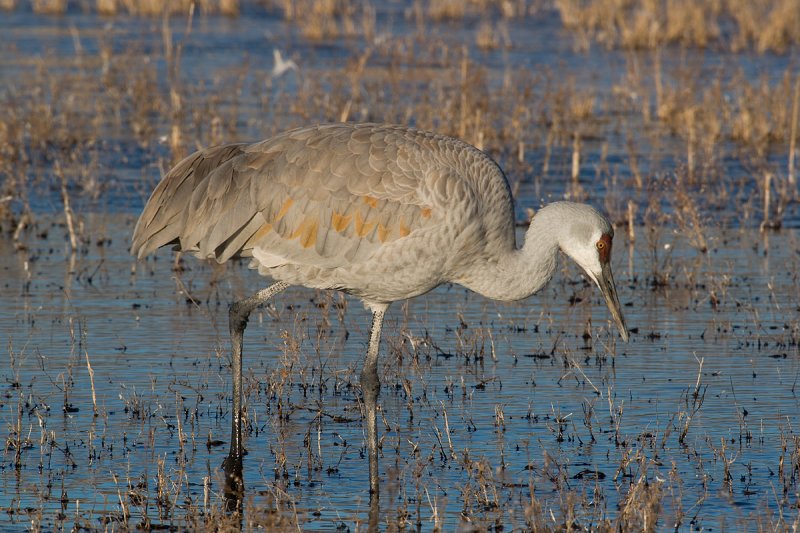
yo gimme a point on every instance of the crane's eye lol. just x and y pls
(604, 248)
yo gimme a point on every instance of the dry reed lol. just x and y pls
(765, 25)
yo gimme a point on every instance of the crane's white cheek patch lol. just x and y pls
(268, 260)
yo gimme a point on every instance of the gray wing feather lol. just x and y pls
(316, 196)
(164, 217)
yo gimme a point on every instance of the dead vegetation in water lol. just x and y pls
(110, 8)
(48, 115)
(60, 126)
(457, 437)
(537, 124)
(328, 20)
(763, 25)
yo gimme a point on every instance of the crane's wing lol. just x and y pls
(316, 196)
(165, 214)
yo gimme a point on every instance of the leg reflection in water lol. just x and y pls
(233, 495)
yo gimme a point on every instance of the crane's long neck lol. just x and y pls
(517, 273)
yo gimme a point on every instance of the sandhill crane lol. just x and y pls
(381, 212)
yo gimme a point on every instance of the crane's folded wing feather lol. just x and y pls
(164, 216)
(320, 196)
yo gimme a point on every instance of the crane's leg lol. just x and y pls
(371, 386)
(237, 316)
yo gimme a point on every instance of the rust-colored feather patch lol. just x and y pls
(284, 209)
(306, 232)
(261, 232)
(362, 226)
(383, 232)
(371, 201)
(404, 230)
(340, 222)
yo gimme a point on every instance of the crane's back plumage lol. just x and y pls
(382, 212)
(385, 212)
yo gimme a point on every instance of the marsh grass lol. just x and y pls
(111, 8)
(295, 402)
(763, 25)
(516, 115)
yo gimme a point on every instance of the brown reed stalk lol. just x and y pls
(576, 157)
(68, 213)
(462, 125)
(793, 137)
(229, 8)
(172, 57)
(89, 368)
(631, 219)
(49, 7)
(107, 7)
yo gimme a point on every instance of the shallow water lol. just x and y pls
(488, 410)
(162, 385)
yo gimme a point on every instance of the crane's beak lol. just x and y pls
(605, 281)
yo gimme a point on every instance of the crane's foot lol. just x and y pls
(370, 389)
(374, 512)
(233, 462)
(234, 484)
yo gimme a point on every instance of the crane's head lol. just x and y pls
(588, 241)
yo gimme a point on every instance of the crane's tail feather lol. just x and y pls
(167, 217)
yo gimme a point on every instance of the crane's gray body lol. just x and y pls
(383, 212)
